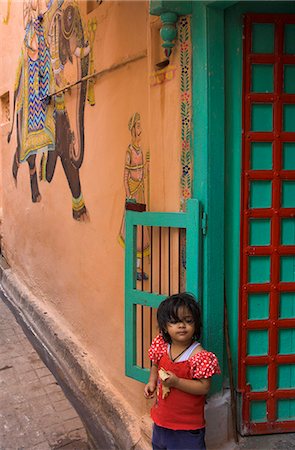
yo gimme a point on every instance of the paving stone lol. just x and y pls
(55, 435)
(43, 372)
(72, 424)
(62, 405)
(70, 445)
(36, 364)
(48, 379)
(17, 397)
(34, 412)
(76, 435)
(20, 360)
(46, 410)
(52, 388)
(67, 414)
(42, 446)
(27, 377)
(56, 396)
(35, 389)
(22, 368)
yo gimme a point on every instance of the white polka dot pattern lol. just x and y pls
(202, 365)
(157, 349)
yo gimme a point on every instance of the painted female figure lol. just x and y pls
(134, 174)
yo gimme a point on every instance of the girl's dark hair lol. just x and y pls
(168, 312)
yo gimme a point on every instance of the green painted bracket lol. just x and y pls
(169, 11)
(168, 31)
(181, 8)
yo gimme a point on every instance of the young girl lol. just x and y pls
(178, 413)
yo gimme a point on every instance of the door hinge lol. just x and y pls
(204, 223)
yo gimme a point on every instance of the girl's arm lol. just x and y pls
(150, 387)
(195, 387)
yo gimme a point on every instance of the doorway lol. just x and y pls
(260, 181)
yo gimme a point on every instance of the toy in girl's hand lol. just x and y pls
(164, 376)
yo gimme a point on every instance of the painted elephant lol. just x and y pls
(42, 121)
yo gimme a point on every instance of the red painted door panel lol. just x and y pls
(267, 299)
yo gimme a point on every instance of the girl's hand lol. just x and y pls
(149, 389)
(172, 381)
(195, 387)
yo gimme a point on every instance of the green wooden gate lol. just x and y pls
(173, 265)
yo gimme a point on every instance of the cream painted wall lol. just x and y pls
(78, 268)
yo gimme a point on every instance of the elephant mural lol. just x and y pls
(54, 36)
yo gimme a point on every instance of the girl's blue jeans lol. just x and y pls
(166, 439)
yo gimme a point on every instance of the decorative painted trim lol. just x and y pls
(184, 33)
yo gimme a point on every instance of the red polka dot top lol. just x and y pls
(180, 410)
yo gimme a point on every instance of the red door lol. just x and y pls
(267, 300)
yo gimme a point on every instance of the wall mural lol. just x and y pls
(6, 18)
(135, 173)
(55, 36)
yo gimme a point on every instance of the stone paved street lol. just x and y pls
(34, 412)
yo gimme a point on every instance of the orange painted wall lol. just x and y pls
(77, 268)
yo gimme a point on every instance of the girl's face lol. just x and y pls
(182, 331)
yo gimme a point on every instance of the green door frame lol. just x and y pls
(208, 144)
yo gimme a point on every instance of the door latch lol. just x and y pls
(204, 223)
